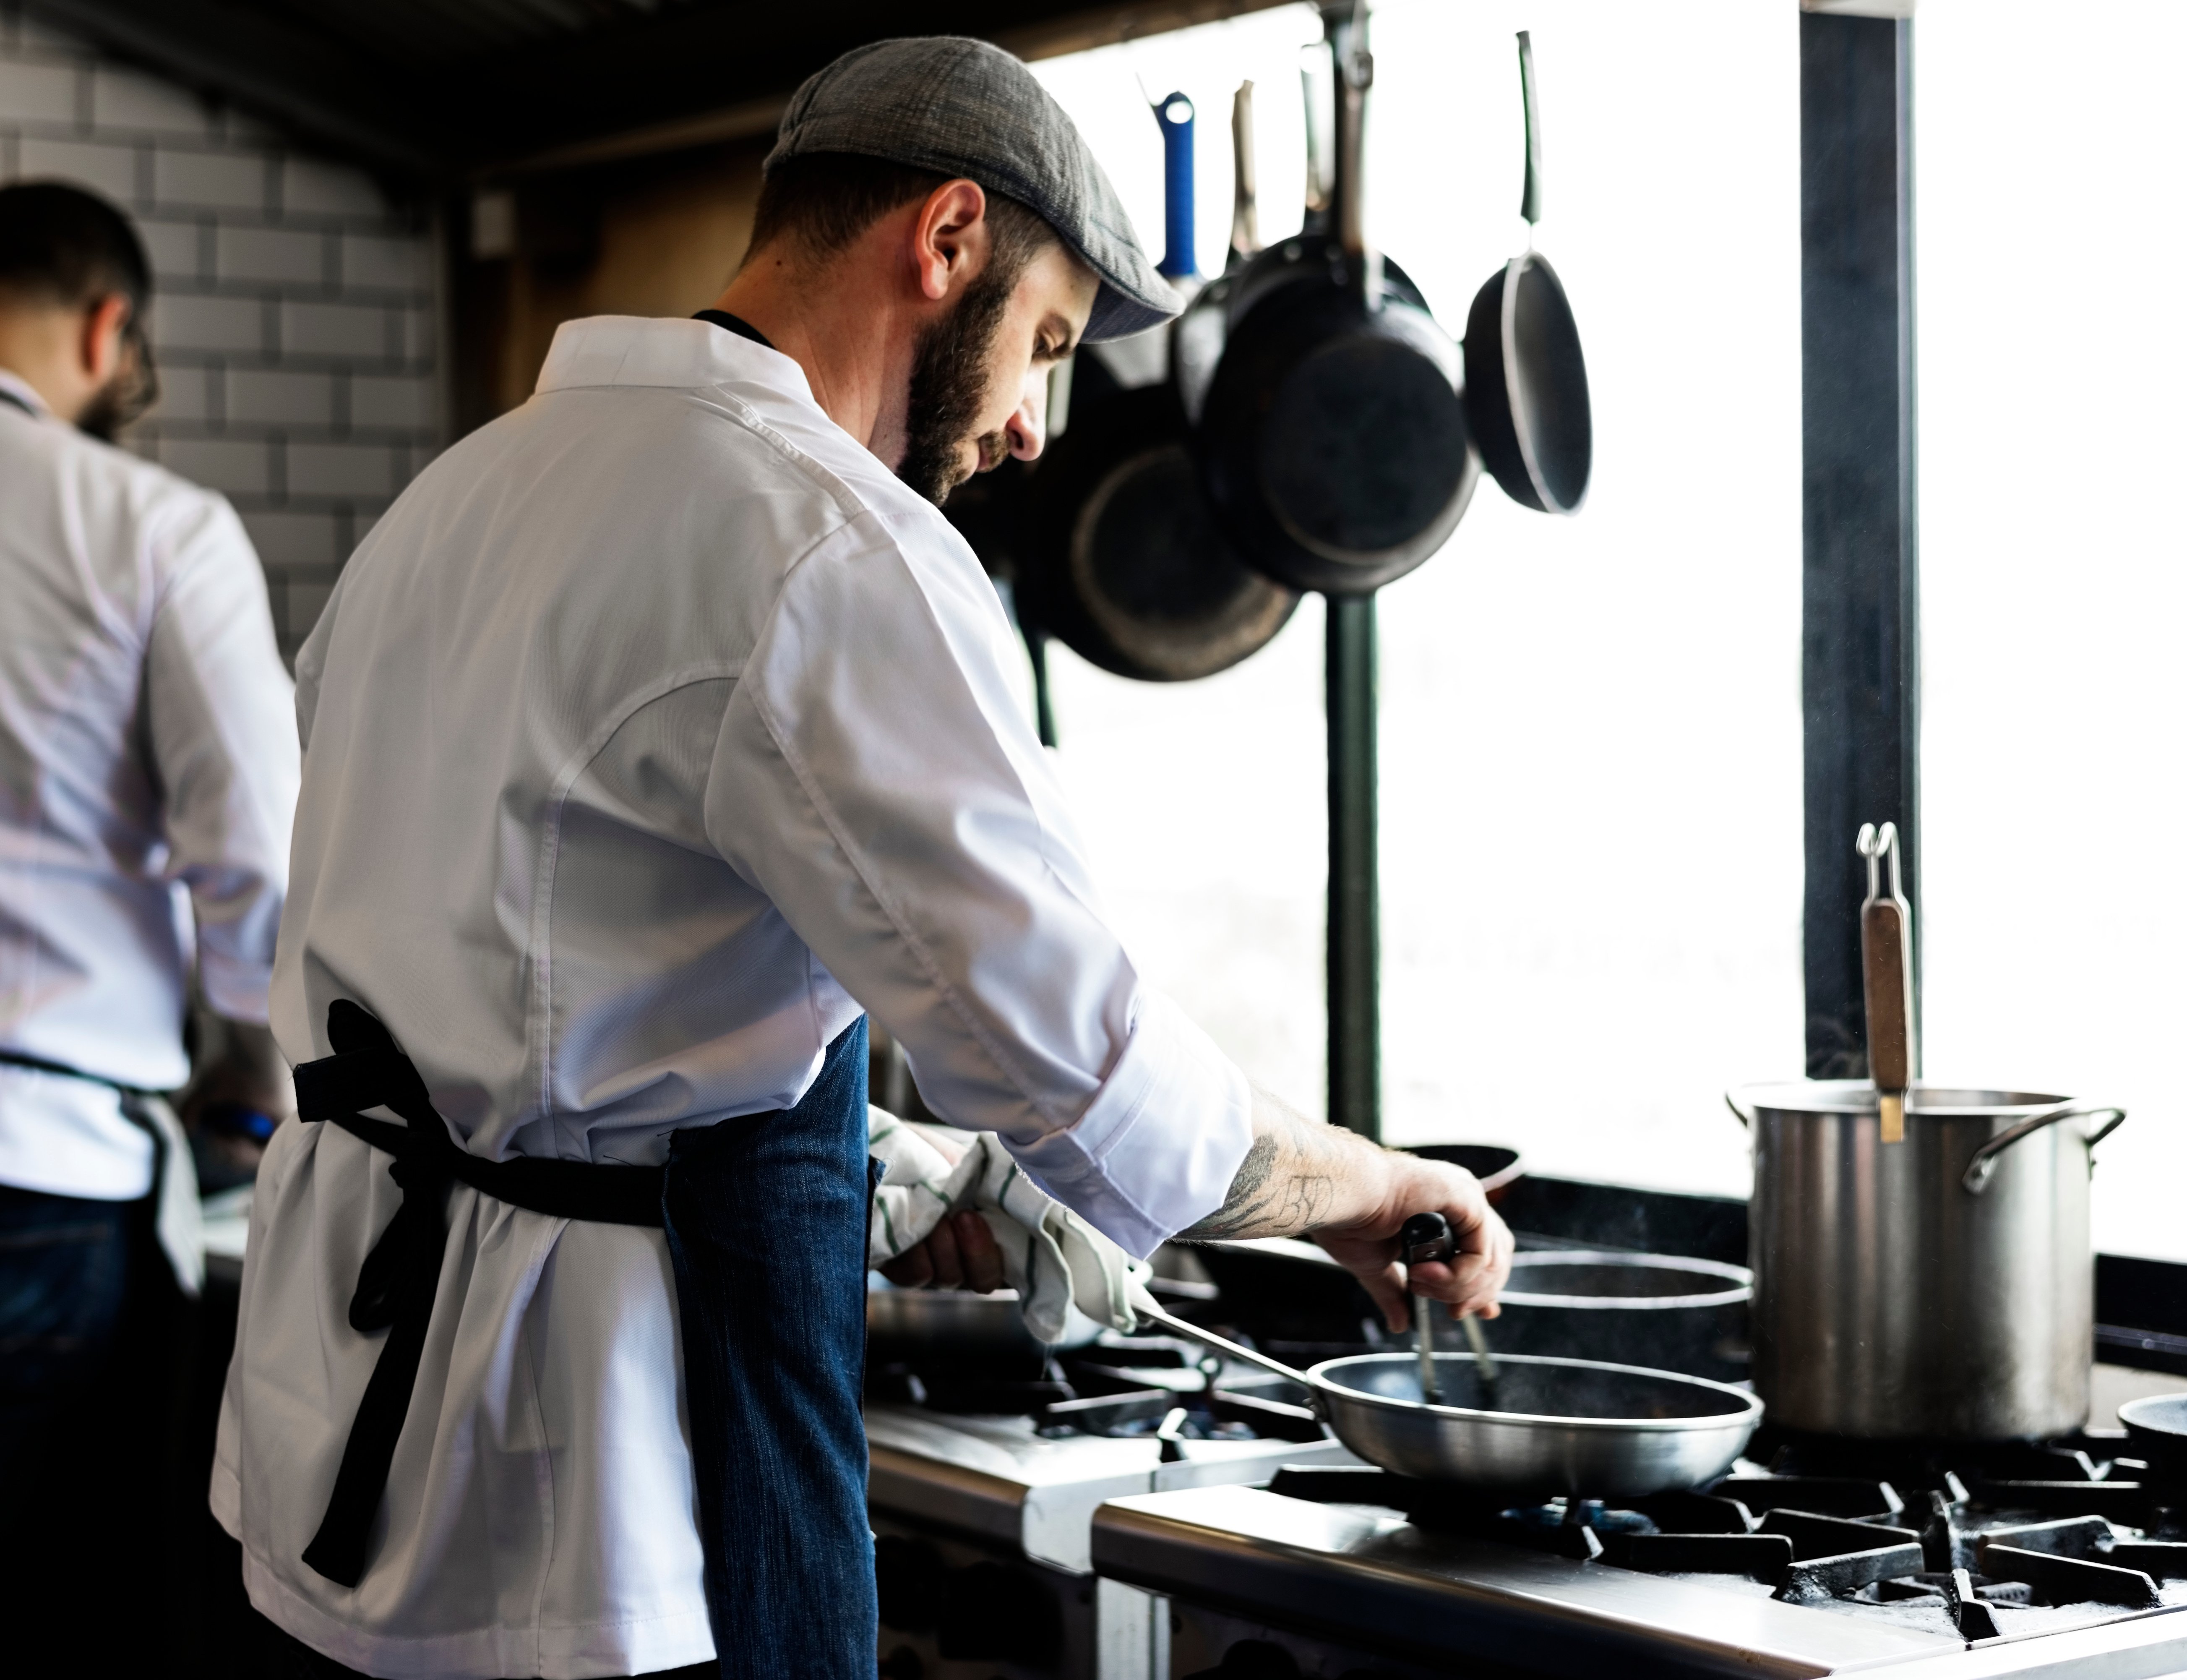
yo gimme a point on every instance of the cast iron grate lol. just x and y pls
(1817, 1538)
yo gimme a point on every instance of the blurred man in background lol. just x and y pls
(148, 781)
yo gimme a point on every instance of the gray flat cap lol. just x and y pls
(963, 107)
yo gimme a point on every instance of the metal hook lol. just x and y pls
(1875, 844)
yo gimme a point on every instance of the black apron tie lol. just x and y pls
(764, 1217)
(399, 1279)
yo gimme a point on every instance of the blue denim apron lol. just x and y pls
(766, 1220)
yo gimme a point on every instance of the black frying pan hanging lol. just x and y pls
(1124, 561)
(1525, 379)
(1334, 443)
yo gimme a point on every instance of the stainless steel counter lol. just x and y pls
(1366, 1577)
(997, 1479)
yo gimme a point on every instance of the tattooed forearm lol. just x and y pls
(1248, 1201)
(1286, 1185)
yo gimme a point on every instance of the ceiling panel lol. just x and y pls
(449, 89)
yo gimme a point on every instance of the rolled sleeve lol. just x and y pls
(1162, 1140)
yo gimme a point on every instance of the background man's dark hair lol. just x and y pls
(823, 201)
(61, 245)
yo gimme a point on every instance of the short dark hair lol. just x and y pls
(823, 201)
(60, 244)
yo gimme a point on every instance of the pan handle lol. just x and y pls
(1983, 1164)
(1745, 1116)
(1245, 193)
(1314, 85)
(1143, 1304)
(1345, 24)
(1179, 260)
(1530, 198)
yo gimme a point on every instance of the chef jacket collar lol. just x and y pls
(18, 392)
(734, 324)
(631, 349)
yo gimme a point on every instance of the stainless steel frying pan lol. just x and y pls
(1573, 1426)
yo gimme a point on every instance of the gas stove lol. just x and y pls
(984, 1485)
(2057, 1558)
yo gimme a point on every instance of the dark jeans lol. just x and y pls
(91, 1360)
(766, 1229)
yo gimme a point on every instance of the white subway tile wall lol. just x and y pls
(293, 312)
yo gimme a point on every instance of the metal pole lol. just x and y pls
(1860, 626)
(1355, 1063)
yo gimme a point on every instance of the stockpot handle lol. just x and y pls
(1745, 1116)
(1984, 1163)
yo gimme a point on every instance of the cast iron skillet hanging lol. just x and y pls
(1334, 443)
(1124, 560)
(1526, 380)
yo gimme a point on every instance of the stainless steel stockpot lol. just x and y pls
(1941, 1287)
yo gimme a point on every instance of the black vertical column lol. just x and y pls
(1859, 679)
(1355, 1044)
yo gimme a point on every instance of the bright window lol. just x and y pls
(1591, 785)
(2052, 350)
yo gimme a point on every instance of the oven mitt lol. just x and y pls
(1051, 1257)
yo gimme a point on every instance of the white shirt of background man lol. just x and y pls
(147, 780)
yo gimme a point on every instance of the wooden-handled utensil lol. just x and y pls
(1886, 963)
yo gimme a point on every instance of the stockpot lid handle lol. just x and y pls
(1983, 1164)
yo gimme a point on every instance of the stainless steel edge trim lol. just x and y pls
(1360, 1600)
(947, 1494)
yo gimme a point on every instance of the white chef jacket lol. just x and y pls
(654, 724)
(148, 772)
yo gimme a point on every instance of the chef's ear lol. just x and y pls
(99, 349)
(950, 238)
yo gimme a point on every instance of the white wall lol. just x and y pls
(293, 315)
(1590, 737)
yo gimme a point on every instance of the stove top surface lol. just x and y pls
(1795, 1572)
(1029, 1471)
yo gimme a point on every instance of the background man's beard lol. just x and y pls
(949, 387)
(134, 388)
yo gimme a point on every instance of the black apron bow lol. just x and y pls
(765, 1216)
(397, 1282)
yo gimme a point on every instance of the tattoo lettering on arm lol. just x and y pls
(1250, 1196)
(1286, 1185)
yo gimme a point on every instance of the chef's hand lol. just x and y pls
(248, 1072)
(959, 1253)
(1367, 1246)
(1302, 1178)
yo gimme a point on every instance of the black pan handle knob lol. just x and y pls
(1427, 1236)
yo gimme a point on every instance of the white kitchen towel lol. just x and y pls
(1051, 1257)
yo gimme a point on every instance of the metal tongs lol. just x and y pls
(1425, 1237)
(1886, 968)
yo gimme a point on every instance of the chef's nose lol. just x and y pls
(1028, 426)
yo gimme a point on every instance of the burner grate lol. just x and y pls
(1816, 1538)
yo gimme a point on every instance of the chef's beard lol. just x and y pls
(949, 381)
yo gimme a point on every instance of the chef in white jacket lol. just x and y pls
(147, 779)
(660, 730)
